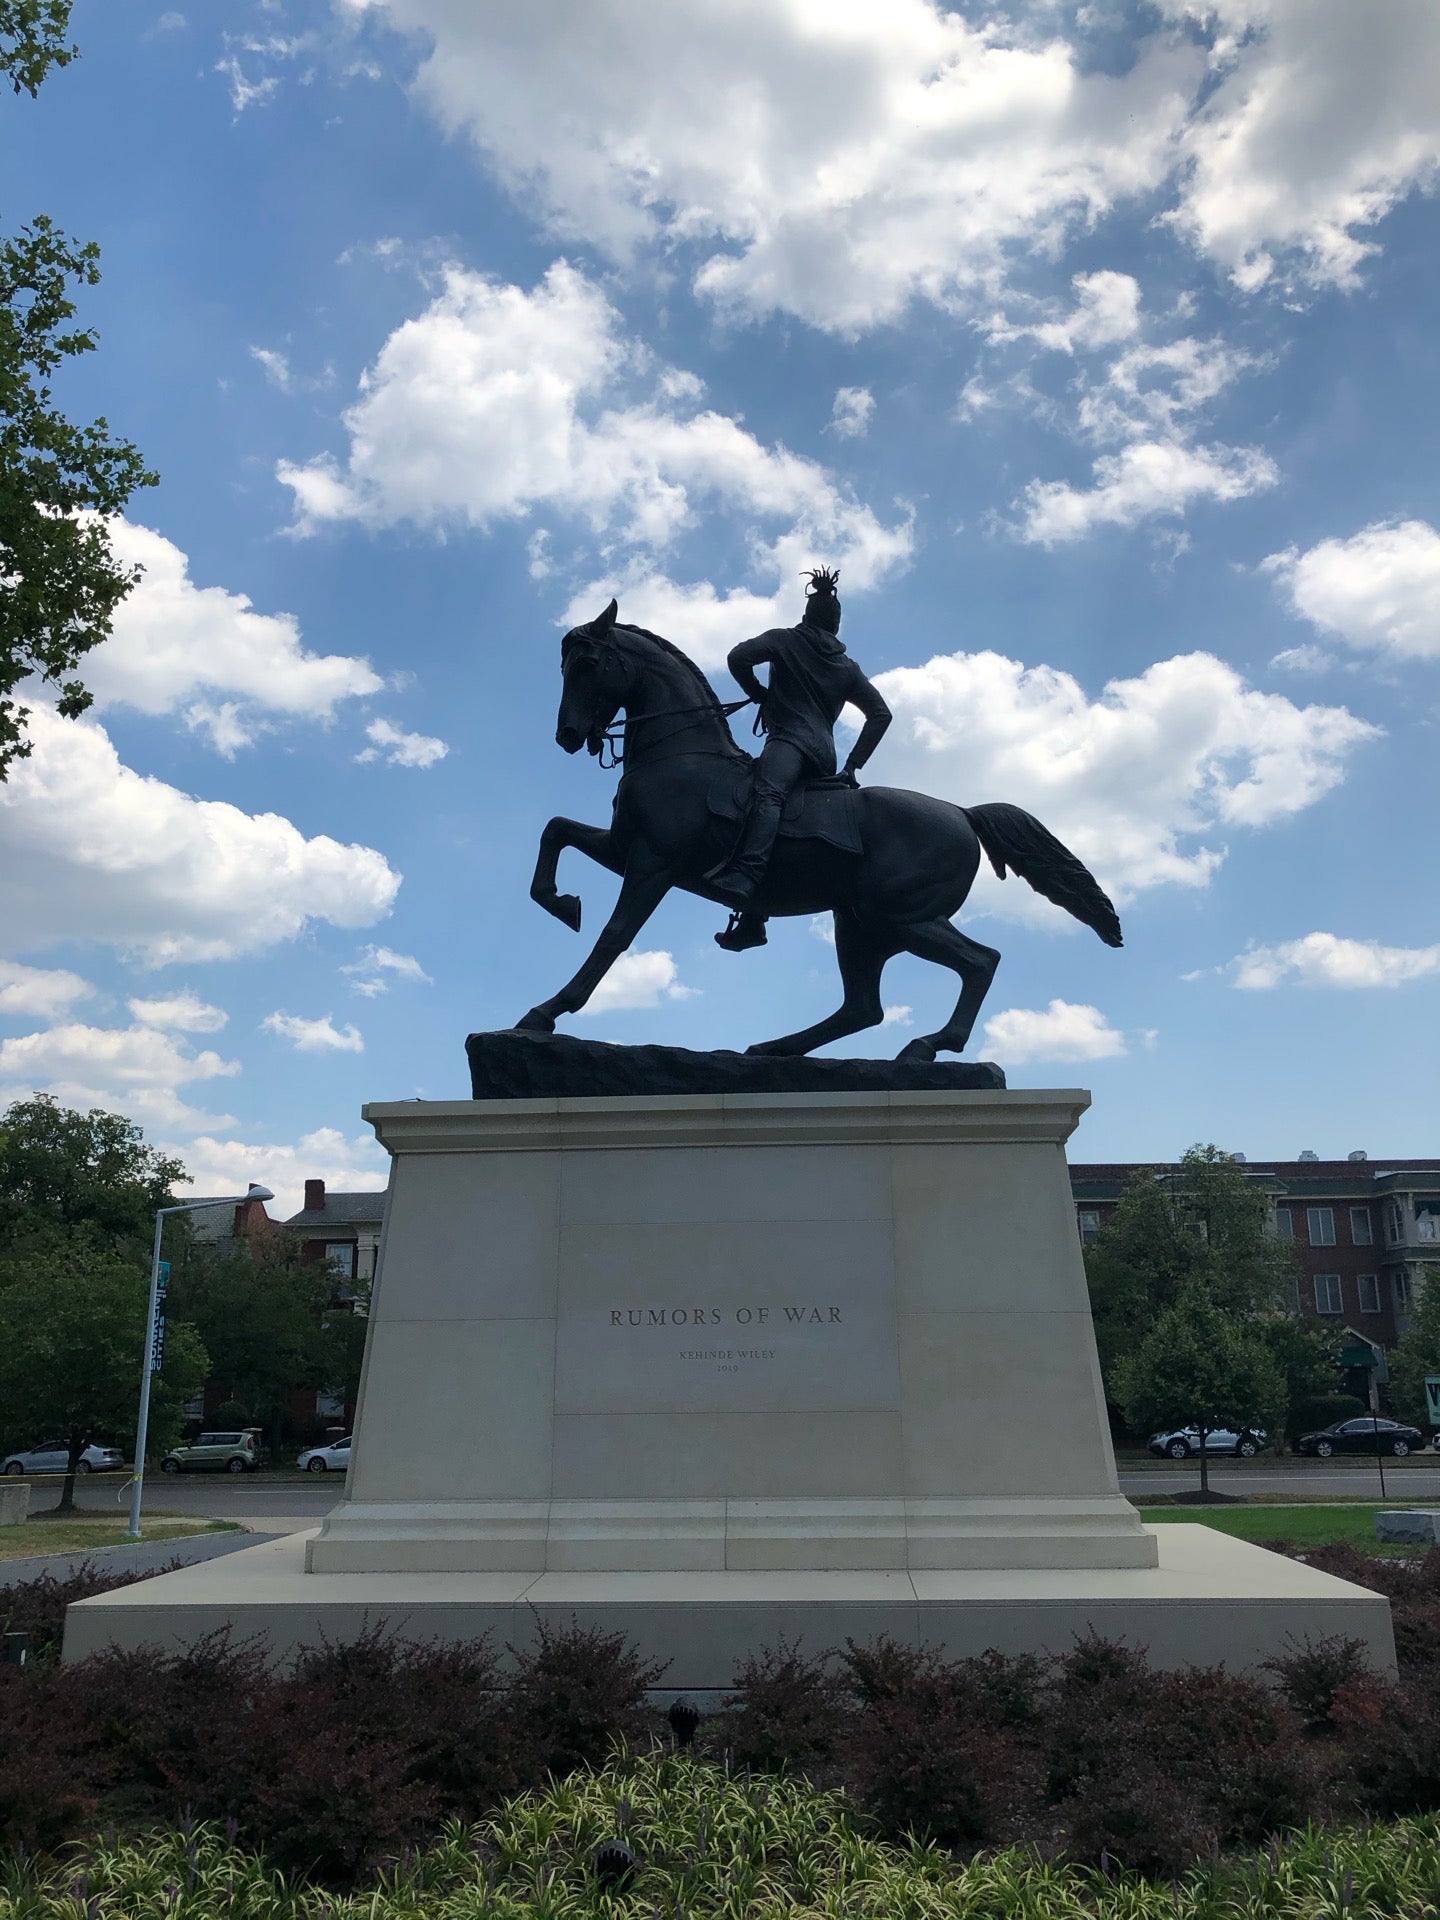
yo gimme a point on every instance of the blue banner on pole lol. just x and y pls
(163, 1268)
(157, 1341)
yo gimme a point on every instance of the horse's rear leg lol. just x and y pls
(862, 960)
(943, 943)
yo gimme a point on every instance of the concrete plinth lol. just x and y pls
(731, 1333)
(713, 1368)
(1207, 1599)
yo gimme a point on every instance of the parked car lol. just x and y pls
(1364, 1434)
(215, 1453)
(333, 1458)
(54, 1457)
(1181, 1442)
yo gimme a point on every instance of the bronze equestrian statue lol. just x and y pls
(890, 865)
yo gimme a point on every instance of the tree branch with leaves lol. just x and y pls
(60, 581)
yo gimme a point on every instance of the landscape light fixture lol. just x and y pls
(684, 1719)
(154, 1337)
(614, 1865)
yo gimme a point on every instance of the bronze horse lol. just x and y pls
(918, 860)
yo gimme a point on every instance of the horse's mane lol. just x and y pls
(702, 685)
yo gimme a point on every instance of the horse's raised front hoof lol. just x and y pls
(918, 1052)
(566, 907)
(536, 1021)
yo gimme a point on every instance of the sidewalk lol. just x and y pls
(145, 1556)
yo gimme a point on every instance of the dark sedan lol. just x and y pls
(1363, 1435)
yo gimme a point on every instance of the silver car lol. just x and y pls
(1180, 1442)
(334, 1458)
(54, 1457)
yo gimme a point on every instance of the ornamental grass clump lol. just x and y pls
(725, 1847)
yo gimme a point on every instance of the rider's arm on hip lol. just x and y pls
(877, 719)
(742, 662)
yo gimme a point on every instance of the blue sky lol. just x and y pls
(1095, 344)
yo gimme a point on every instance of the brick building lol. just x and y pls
(340, 1229)
(1364, 1230)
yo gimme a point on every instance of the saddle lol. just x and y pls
(825, 810)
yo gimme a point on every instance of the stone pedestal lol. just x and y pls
(715, 1332)
(712, 1368)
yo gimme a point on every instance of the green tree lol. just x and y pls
(60, 581)
(60, 1168)
(1308, 1359)
(1200, 1366)
(32, 40)
(269, 1323)
(1418, 1353)
(1199, 1226)
(72, 1324)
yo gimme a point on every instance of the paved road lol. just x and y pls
(304, 1499)
(282, 1505)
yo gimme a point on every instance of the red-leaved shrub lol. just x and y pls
(574, 1694)
(789, 1711)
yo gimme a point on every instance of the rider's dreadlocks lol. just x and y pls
(822, 601)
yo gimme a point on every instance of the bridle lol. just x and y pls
(612, 740)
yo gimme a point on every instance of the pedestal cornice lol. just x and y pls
(977, 1118)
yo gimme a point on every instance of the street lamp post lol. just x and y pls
(150, 1361)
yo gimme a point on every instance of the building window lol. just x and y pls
(1284, 1223)
(1089, 1227)
(1321, 1221)
(340, 1258)
(1427, 1219)
(1402, 1290)
(1327, 1293)
(1369, 1286)
(1393, 1222)
(1360, 1231)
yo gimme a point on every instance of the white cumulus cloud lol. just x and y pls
(1141, 783)
(400, 749)
(1106, 310)
(851, 411)
(95, 851)
(137, 1071)
(1325, 116)
(1379, 590)
(183, 1012)
(829, 162)
(1144, 479)
(498, 401)
(41, 992)
(175, 646)
(1061, 1031)
(836, 163)
(313, 1036)
(1326, 960)
(371, 973)
(637, 980)
(355, 1165)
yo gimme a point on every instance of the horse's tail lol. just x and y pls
(1012, 837)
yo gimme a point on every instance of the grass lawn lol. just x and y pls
(81, 1532)
(1298, 1526)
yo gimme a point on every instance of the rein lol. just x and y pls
(613, 739)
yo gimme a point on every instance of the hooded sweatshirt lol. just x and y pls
(811, 679)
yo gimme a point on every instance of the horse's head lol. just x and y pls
(597, 679)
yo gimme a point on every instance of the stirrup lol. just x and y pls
(737, 938)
